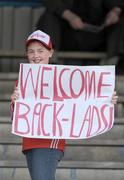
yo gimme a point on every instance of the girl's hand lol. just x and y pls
(15, 95)
(114, 98)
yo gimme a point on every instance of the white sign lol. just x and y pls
(64, 102)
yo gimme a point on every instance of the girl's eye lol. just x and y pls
(40, 50)
(30, 52)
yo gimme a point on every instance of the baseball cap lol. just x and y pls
(41, 37)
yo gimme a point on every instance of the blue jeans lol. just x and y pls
(42, 163)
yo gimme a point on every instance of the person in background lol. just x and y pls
(67, 23)
(42, 155)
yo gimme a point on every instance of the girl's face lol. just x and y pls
(38, 54)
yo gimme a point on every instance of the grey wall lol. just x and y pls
(15, 25)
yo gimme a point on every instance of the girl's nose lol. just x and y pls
(36, 54)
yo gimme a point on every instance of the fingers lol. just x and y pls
(15, 95)
(114, 98)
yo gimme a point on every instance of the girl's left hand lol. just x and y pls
(114, 98)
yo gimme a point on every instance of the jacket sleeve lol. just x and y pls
(57, 6)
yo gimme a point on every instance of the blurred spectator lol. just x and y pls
(70, 24)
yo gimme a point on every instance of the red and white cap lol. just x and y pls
(41, 37)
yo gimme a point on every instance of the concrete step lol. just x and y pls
(69, 173)
(5, 108)
(68, 164)
(8, 76)
(6, 87)
(115, 136)
(95, 153)
(85, 152)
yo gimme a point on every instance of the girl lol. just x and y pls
(42, 155)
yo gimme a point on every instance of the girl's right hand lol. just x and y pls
(15, 95)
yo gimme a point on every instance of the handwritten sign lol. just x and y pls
(65, 102)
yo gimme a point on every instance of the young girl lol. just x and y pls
(42, 155)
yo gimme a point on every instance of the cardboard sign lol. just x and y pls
(64, 102)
